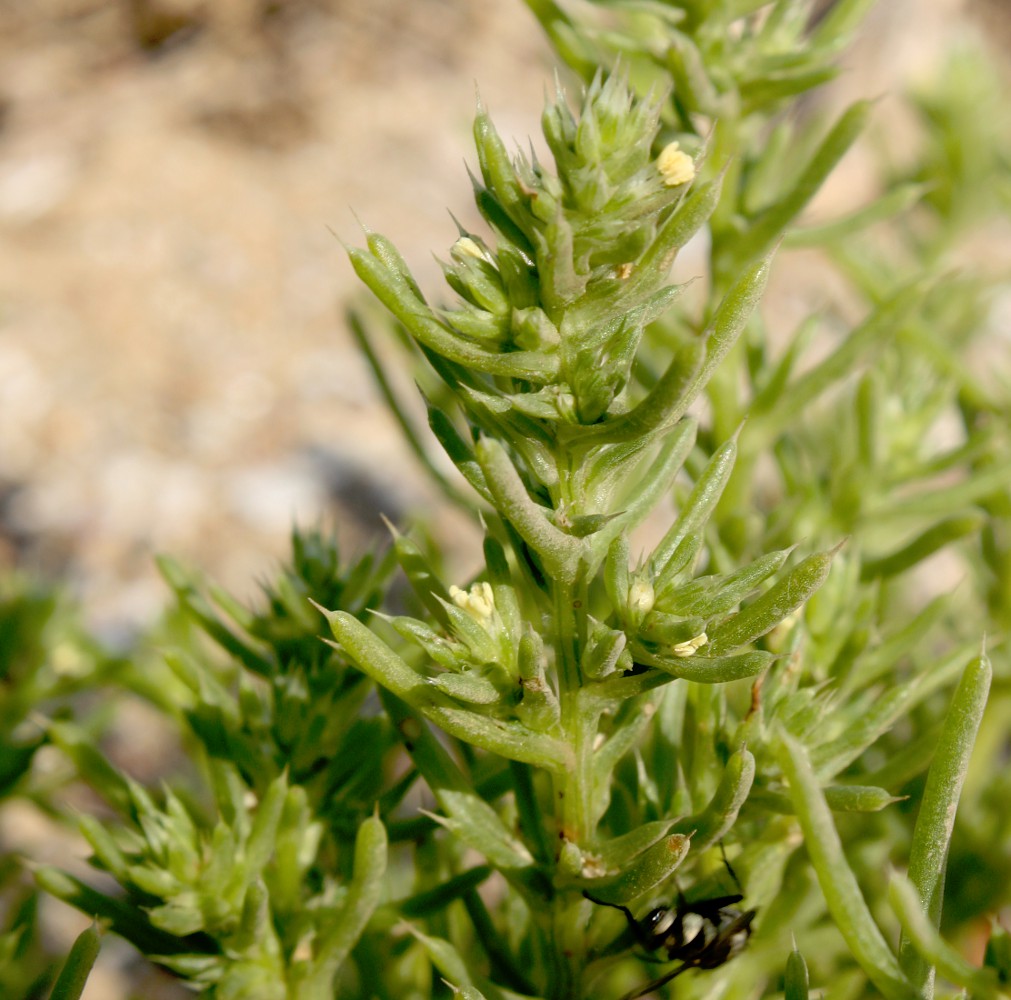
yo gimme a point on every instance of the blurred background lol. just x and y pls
(175, 180)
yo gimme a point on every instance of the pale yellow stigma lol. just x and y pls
(691, 646)
(479, 601)
(675, 165)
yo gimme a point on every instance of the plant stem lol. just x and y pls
(573, 787)
(573, 798)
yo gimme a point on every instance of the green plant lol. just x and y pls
(47, 664)
(422, 807)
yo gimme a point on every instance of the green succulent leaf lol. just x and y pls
(839, 885)
(76, 969)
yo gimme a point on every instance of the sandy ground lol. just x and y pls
(174, 367)
(174, 370)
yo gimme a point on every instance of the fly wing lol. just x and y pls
(710, 908)
(730, 938)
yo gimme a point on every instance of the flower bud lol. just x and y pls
(640, 598)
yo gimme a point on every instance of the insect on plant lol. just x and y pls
(702, 934)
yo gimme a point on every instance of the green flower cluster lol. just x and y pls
(225, 905)
(548, 659)
(263, 891)
(573, 252)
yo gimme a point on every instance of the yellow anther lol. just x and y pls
(675, 165)
(479, 601)
(690, 646)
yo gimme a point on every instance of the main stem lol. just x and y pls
(572, 806)
(573, 789)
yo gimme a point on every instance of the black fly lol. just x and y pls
(703, 934)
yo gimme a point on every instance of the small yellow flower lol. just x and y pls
(691, 646)
(675, 165)
(478, 602)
